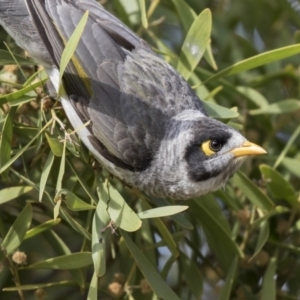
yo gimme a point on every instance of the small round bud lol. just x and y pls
(19, 258)
(282, 227)
(244, 216)
(115, 289)
(40, 294)
(261, 259)
(145, 287)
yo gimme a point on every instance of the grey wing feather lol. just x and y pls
(16, 20)
(128, 92)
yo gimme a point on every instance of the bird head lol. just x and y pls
(204, 154)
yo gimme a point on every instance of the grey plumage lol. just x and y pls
(146, 122)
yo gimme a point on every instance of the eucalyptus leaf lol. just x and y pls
(7, 59)
(162, 211)
(280, 107)
(11, 193)
(17, 231)
(229, 281)
(158, 285)
(256, 61)
(119, 211)
(269, 284)
(280, 188)
(252, 192)
(65, 262)
(195, 44)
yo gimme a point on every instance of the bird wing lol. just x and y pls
(115, 80)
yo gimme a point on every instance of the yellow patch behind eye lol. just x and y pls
(206, 148)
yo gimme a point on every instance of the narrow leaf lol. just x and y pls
(56, 146)
(162, 211)
(119, 211)
(257, 61)
(65, 262)
(262, 237)
(6, 140)
(158, 285)
(195, 44)
(11, 193)
(7, 59)
(93, 288)
(45, 174)
(17, 231)
(73, 202)
(280, 188)
(143, 13)
(269, 282)
(227, 288)
(71, 46)
(192, 275)
(280, 107)
(41, 228)
(252, 192)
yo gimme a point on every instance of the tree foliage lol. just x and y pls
(71, 231)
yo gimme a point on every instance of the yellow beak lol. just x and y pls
(248, 148)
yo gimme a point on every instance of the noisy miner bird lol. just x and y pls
(147, 126)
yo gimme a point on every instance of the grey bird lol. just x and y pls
(147, 126)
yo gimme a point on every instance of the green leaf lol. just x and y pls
(229, 281)
(278, 210)
(82, 182)
(192, 275)
(19, 153)
(252, 192)
(262, 237)
(56, 145)
(29, 287)
(6, 141)
(280, 188)
(62, 168)
(65, 262)
(7, 59)
(12, 193)
(74, 224)
(253, 95)
(158, 285)
(93, 288)
(209, 57)
(62, 249)
(162, 211)
(269, 283)
(186, 13)
(28, 90)
(217, 230)
(71, 46)
(293, 165)
(166, 236)
(288, 145)
(73, 202)
(195, 44)
(41, 228)
(17, 231)
(280, 107)
(45, 174)
(142, 5)
(100, 221)
(257, 61)
(119, 211)
(219, 112)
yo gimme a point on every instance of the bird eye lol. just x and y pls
(210, 147)
(215, 145)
